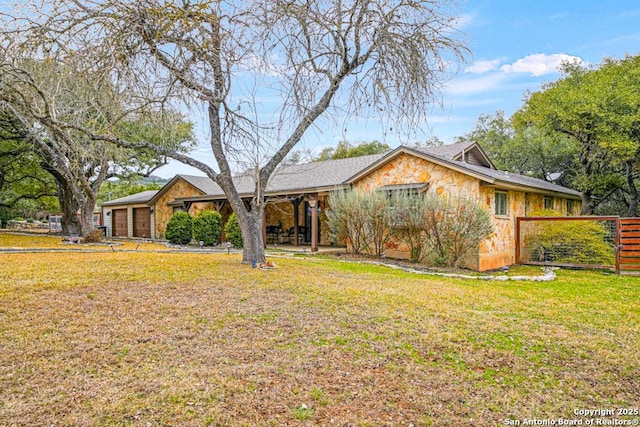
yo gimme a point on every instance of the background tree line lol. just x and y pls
(581, 131)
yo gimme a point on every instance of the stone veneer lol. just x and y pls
(497, 251)
(162, 212)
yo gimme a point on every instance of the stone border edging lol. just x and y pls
(548, 276)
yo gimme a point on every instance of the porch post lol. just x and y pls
(296, 204)
(219, 205)
(313, 203)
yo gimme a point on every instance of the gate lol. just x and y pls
(629, 246)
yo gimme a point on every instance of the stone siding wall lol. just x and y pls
(162, 212)
(407, 169)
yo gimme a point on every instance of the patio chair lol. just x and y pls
(290, 237)
(273, 234)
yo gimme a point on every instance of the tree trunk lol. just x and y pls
(70, 222)
(86, 218)
(587, 203)
(633, 191)
(251, 223)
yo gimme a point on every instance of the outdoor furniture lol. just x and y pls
(273, 234)
(290, 237)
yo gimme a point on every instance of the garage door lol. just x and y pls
(119, 222)
(141, 222)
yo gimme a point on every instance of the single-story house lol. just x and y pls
(461, 168)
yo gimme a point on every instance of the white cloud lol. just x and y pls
(487, 83)
(480, 67)
(539, 64)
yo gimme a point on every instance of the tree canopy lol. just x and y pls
(36, 96)
(597, 109)
(345, 149)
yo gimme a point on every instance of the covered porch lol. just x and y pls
(295, 220)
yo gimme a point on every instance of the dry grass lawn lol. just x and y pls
(170, 339)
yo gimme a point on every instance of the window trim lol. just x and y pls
(497, 208)
(570, 207)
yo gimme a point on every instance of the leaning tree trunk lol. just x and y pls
(70, 222)
(69, 205)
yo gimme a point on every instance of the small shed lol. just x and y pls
(129, 216)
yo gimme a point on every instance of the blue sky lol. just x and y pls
(516, 46)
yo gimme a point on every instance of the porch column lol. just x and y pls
(313, 203)
(219, 205)
(296, 205)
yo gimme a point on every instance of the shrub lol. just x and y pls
(362, 219)
(409, 222)
(455, 226)
(570, 241)
(95, 236)
(207, 227)
(179, 228)
(445, 228)
(233, 232)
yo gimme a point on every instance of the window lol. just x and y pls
(501, 203)
(548, 202)
(569, 207)
(527, 204)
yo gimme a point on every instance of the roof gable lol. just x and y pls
(464, 151)
(484, 174)
(199, 182)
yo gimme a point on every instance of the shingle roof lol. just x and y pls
(142, 197)
(513, 178)
(448, 151)
(328, 173)
(202, 183)
(335, 173)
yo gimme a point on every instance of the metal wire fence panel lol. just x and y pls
(587, 242)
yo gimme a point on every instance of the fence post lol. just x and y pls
(618, 223)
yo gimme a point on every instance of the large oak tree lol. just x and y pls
(35, 96)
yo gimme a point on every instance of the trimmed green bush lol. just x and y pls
(207, 227)
(179, 228)
(233, 232)
(570, 242)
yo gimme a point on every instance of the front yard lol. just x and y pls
(123, 338)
